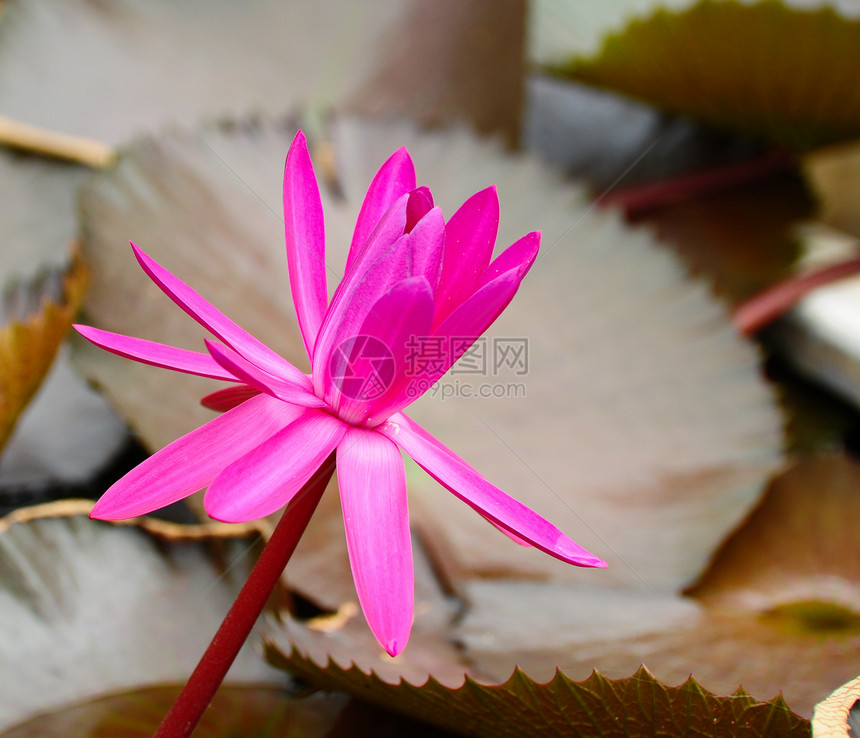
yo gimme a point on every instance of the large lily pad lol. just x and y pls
(771, 69)
(646, 432)
(778, 612)
(236, 710)
(88, 608)
(635, 707)
(116, 68)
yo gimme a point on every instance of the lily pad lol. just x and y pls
(777, 612)
(236, 710)
(265, 712)
(88, 608)
(109, 70)
(630, 708)
(774, 70)
(646, 433)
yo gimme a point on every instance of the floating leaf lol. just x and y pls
(769, 69)
(778, 611)
(236, 710)
(628, 708)
(88, 608)
(263, 712)
(34, 320)
(117, 68)
(642, 404)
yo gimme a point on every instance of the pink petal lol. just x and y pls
(251, 374)
(226, 399)
(304, 227)
(191, 462)
(376, 271)
(395, 178)
(448, 342)
(471, 236)
(372, 481)
(496, 506)
(420, 203)
(365, 378)
(155, 354)
(215, 321)
(269, 475)
(471, 318)
(520, 254)
(371, 274)
(426, 245)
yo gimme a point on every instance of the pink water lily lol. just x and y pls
(409, 274)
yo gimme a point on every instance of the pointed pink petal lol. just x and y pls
(395, 178)
(364, 383)
(471, 236)
(191, 462)
(496, 506)
(155, 354)
(268, 476)
(370, 275)
(215, 321)
(226, 399)
(305, 236)
(513, 536)
(471, 318)
(376, 271)
(520, 254)
(372, 481)
(251, 374)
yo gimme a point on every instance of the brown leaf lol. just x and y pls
(797, 546)
(834, 175)
(35, 320)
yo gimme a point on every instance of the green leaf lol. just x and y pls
(628, 708)
(763, 69)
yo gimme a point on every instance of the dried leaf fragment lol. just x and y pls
(36, 318)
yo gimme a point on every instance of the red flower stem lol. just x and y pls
(204, 681)
(761, 309)
(642, 200)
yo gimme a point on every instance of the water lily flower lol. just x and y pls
(409, 273)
